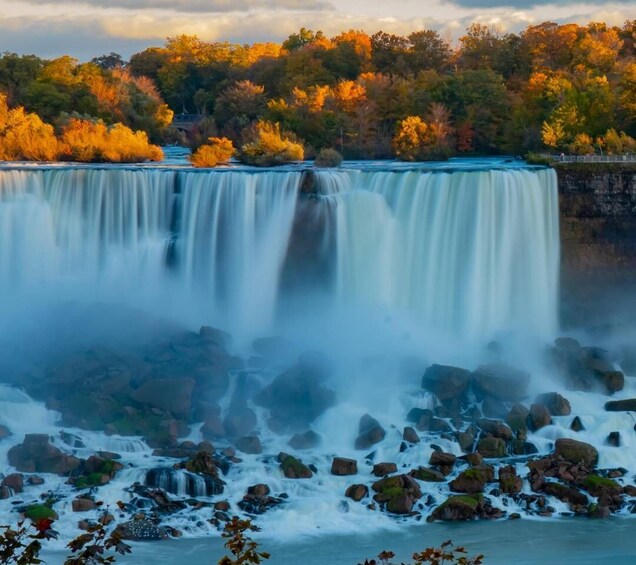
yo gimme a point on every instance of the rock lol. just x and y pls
(213, 427)
(357, 492)
(556, 404)
(598, 512)
(306, 440)
(459, 508)
(493, 408)
(521, 447)
(370, 432)
(421, 417)
(427, 475)
(298, 396)
(397, 492)
(83, 504)
(576, 451)
(256, 500)
(4, 432)
(466, 439)
(601, 486)
(472, 480)
(627, 405)
(250, 445)
(474, 459)
(409, 434)
(614, 439)
(565, 494)
(341, 466)
(202, 463)
(577, 425)
(495, 428)
(500, 382)
(588, 368)
(240, 421)
(383, 469)
(491, 447)
(216, 337)
(401, 504)
(445, 382)
(442, 459)
(509, 482)
(15, 482)
(36, 454)
(34, 480)
(172, 395)
(141, 530)
(517, 417)
(539, 417)
(293, 468)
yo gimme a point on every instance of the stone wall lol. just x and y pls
(598, 237)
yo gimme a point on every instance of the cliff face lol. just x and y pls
(598, 238)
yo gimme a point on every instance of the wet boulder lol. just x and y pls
(250, 445)
(459, 508)
(342, 466)
(298, 396)
(539, 417)
(37, 454)
(509, 481)
(257, 500)
(500, 382)
(398, 493)
(626, 405)
(239, 421)
(577, 425)
(306, 440)
(492, 447)
(15, 482)
(473, 480)
(357, 492)
(427, 475)
(566, 493)
(556, 404)
(370, 432)
(383, 469)
(410, 435)
(294, 468)
(576, 451)
(171, 395)
(446, 383)
(495, 428)
(517, 417)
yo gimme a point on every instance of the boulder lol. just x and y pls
(495, 428)
(427, 475)
(472, 480)
(410, 435)
(601, 486)
(15, 482)
(294, 468)
(445, 382)
(500, 382)
(342, 466)
(627, 405)
(83, 504)
(370, 432)
(357, 492)
(4, 432)
(398, 492)
(298, 396)
(577, 425)
(36, 454)
(491, 447)
(539, 417)
(250, 445)
(587, 368)
(576, 451)
(257, 500)
(421, 417)
(556, 404)
(509, 481)
(517, 417)
(141, 530)
(565, 493)
(614, 439)
(384, 469)
(441, 459)
(172, 395)
(459, 508)
(240, 421)
(306, 440)
(466, 439)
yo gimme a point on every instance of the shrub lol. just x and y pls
(270, 146)
(582, 145)
(94, 142)
(328, 158)
(446, 554)
(242, 547)
(218, 152)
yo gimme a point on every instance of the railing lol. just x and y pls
(590, 158)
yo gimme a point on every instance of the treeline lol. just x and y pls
(562, 87)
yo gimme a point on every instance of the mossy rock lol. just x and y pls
(90, 481)
(427, 475)
(37, 512)
(597, 485)
(459, 508)
(294, 468)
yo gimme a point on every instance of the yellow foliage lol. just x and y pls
(271, 146)
(92, 142)
(552, 135)
(24, 136)
(218, 152)
(416, 140)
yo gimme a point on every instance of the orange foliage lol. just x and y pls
(218, 152)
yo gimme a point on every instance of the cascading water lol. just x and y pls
(471, 253)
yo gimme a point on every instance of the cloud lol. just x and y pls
(199, 6)
(522, 4)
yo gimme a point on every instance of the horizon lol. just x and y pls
(86, 28)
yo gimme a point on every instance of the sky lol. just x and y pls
(88, 28)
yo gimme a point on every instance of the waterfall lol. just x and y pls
(470, 253)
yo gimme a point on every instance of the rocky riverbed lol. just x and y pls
(174, 438)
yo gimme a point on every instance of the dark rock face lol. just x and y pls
(172, 395)
(556, 404)
(598, 240)
(297, 397)
(500, 382)
(36, 454)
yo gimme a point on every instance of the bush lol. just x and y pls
(582, 145)
(415, 140)
(218, 152)
(270, 146)
(328, 158)
(94, 142)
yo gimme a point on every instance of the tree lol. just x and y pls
(271, 146)
(427, 50)
(217, 152)
(238, 106)
(416, 140)
(389, 53)
(109, 62)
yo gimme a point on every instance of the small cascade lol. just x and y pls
(183, 483)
